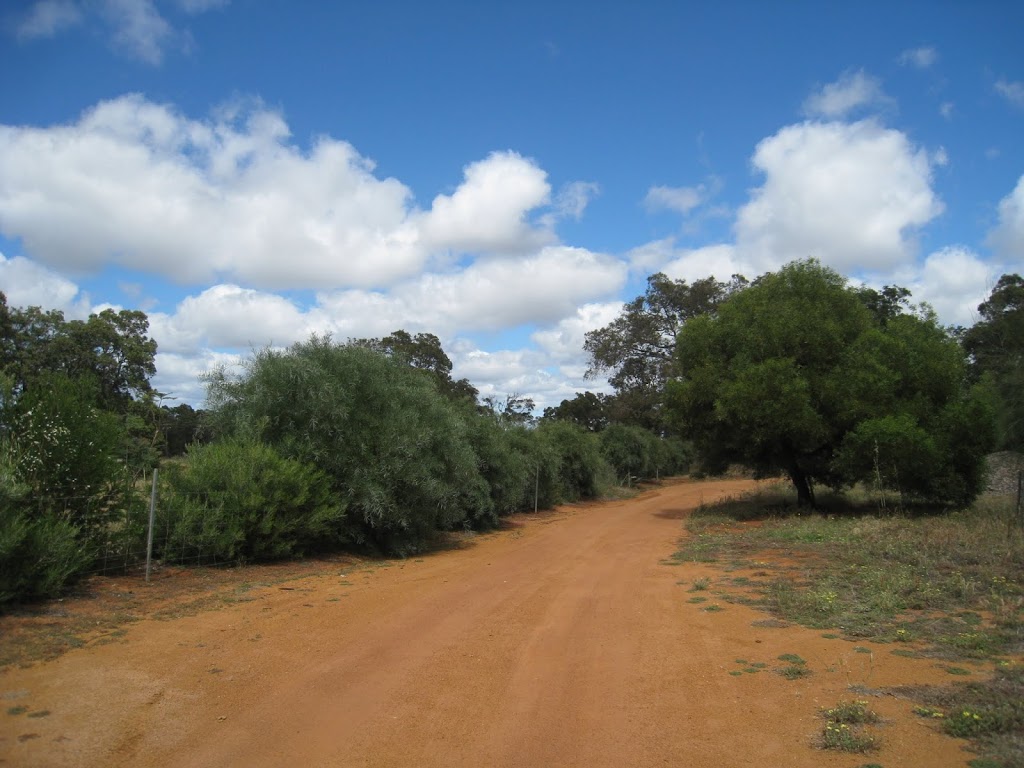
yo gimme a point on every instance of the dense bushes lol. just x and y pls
(240, 500)
(400, 457)
(64, 490)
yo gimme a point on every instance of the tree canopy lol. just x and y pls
(996, 346)
(637, 347)
(798, 374)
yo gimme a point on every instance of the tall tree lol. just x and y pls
(111, 348)
(636, 348)
(423, 352)
(588, 409)
(796, 374)
(996, 346)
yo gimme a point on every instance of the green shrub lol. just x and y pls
(394, 449)
(240, 500)
(581, 472)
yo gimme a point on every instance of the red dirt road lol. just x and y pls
(564, 640)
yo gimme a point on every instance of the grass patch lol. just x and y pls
(700, 585)
(990, 713)
(942, 584)
(879, 577)
(794, 671)
(844, 727)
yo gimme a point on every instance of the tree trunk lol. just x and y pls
(804, 492)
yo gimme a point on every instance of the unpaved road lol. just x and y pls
(563, 640)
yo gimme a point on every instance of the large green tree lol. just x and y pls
(996, 346)
(636, 348)
(799, 374)
(424, 353)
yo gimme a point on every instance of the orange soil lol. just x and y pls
(562, 640)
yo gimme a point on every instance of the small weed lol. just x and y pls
(700, 585)
(861, 649)
(843, 729)
(751, 670)
(741, 661)
(736, 673)
(830, 636)
(17, 710)
(958, 671)
(904, 653)
(792, 658)
(697, 600)
(841, 737)
(40, 713)
(851, 713)
(713, 608)
(759, 665)
(794, 671)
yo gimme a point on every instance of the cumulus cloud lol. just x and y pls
(563, 342)
(487, 212)
(1007, 239)
(491, 294)
(1012, 91)
(233, 199)
(851, 194)
(27, 284)
(919, 58)
(953, 280)
(852, 91)
(135, 183)
(47, 18)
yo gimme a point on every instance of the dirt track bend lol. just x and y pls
(564, 640)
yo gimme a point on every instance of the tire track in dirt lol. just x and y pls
(564, 641)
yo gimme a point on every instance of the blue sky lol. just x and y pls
(503, 175)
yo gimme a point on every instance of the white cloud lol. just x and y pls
(573, 198)
(47, 18)
(563, 342)
(953, 280)
(852, 91)
(139, 29)
(227, 316)
(851, 195)
(177, 375)
(1012, 91)
(1007, 239)
(946, 110)
(136, 27)
(919, 58)
(487, 212)
(27, 284)
(136, 184)
(488, 295)
(679, 199)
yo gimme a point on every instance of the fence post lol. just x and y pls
(1020, 491)
(536, 489)
(152, 519)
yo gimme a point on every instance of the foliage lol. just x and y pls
(795, 374)
(110, 349)
(637, 347)
(996, 346)
(629, 450)
(587, 409)
(394, 449)
(240, 500)
(67, 451)
(424, 353)
(39, 553)
(581, 472)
